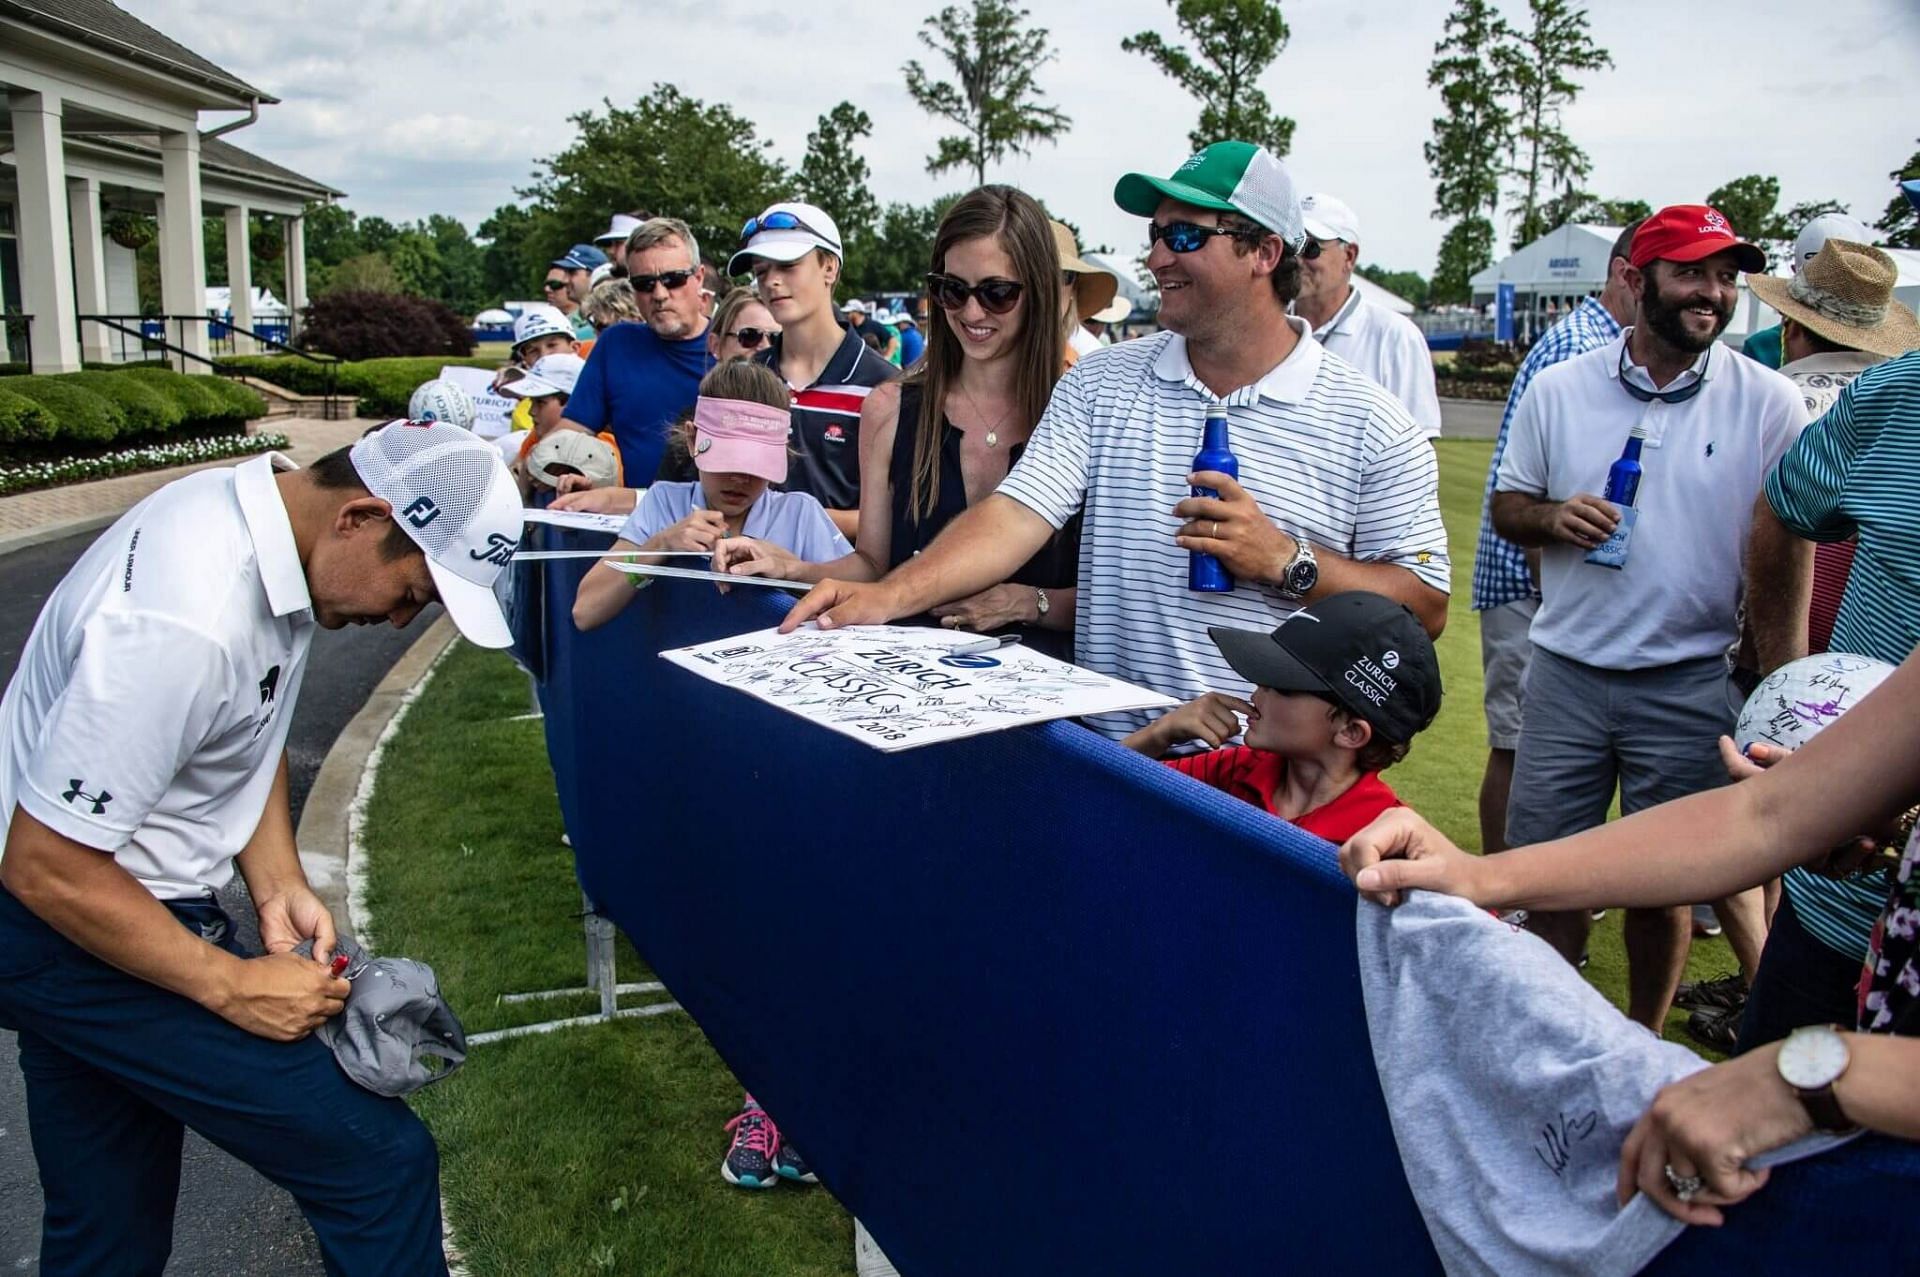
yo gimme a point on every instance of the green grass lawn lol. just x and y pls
(597, 1149)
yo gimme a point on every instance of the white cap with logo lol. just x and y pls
(540, 320)
(786, 232)
(550, 375)
(1815, 234)
(451, 491)
(1327, 217)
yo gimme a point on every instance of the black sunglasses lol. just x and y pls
(554, 285)
(997, 296)
(1644, 395)
(673, 279)
(751, 337)
(780, 221)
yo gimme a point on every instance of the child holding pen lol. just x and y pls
(737, 438)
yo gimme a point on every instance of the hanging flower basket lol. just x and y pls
(131, 230)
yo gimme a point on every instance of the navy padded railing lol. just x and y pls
(1029, 1002)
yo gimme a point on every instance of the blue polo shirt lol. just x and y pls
(634, 386)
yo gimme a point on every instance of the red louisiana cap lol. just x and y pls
(1689, 232)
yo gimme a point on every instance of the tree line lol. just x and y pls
(1499, 141)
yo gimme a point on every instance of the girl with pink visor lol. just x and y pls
(737, 437)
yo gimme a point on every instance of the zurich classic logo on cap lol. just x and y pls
(1391, 659)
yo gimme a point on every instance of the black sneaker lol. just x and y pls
(1719, 1030)
(1728, 993)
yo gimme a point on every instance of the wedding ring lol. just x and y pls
(1685, 1187)
(1215, 534)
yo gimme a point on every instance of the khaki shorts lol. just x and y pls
(1504, 649)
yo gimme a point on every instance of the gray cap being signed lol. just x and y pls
(397, 1034)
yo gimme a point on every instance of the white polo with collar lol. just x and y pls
(1702, 466)
(1392, 350)
(151, 705)
(1330, 457)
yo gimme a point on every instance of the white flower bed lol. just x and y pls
(43, 474)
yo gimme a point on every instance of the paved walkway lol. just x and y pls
(33, 517)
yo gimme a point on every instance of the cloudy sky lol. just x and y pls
(423, 106)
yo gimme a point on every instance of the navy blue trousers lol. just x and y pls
(117, 1068)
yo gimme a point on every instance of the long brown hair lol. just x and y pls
(1020, 225)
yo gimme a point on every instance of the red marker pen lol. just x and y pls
(339, 965)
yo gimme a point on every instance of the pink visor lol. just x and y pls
(732, 436)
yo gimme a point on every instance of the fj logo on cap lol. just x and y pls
(422, 512)
(75, 793)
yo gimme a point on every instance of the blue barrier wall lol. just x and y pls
(1029, 1002)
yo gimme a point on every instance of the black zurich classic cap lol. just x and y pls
(1362, 651)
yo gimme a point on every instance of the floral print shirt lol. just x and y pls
(1890, 984)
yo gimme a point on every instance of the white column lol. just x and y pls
(89, 263)
(183, 265)
(296, 273)
(46, 245)
(240, 276)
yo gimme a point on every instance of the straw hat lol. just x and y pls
(1093, 287)
(1845, 294)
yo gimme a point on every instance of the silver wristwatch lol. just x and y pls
(1301, 573)
(1041, 603)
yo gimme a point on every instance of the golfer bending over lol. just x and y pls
(1689, 1151)
(143, 759)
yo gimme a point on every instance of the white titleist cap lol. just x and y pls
(540, 320)
(550, 375)
(451, 491)
(1815, 234)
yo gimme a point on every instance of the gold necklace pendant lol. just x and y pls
(993, 438)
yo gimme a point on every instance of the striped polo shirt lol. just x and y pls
(1330, 457)
(1857, 471)
(826, 421)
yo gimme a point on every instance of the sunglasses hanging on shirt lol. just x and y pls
(1644, 395)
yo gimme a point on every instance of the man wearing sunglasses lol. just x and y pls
(568, 280)
(1338, 488)
(1389, 348)
(793, 252)
(641, 377)
(1627, 683)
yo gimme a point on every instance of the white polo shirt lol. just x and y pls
(1392, 350)
(150, 708)
(1703, 464)
(1329, 456)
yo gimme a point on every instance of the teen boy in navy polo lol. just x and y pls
(1339, 690)
(142, 761)
(793, 252)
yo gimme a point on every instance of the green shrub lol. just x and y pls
(300, 376)
(234, 402)
(22, 419)
(83, 416)
(382, 386)
(14, 369)
(149, 409)
(196, 401)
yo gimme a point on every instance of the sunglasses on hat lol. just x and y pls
(777, 221)
(997, 296)
(673, 279)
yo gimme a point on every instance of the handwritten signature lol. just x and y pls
(1557, 1138)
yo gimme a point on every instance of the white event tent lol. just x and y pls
(1550, 275)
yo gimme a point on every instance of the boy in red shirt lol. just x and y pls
(1340, 689)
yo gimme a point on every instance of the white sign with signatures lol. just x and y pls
(897, 687)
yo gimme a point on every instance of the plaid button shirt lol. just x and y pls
(1499, 566)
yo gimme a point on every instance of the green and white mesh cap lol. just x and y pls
(1228, 177)
(451, 491)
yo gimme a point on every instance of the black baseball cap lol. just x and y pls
(1362, 651)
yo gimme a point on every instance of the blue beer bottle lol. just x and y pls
(1623, 477)
(1204, 572)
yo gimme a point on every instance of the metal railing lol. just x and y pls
(148, 335)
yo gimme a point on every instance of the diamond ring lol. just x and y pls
(1685, 1187)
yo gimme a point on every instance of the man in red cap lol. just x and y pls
(1628, 681)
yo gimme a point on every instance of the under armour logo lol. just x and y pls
(422, 512)
(75, 793)
(268, 685)
(498, 549)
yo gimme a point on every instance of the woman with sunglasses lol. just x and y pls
(946, 436)
(742, 327)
